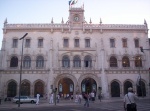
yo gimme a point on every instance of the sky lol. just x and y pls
(42, 11)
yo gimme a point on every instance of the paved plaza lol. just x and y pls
(114, 104)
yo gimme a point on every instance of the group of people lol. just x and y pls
(129, 99)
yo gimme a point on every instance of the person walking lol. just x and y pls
(86, 98)
(79, 98)
(93, 96)
(37, 98)
(51, 101)
(58, 97)
(130, 100)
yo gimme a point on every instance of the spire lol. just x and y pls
(100, 21)
(52, 21)
(90, 21)
(145, 22)
(5, 22)
(62, 21)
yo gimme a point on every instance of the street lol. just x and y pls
(142, 105)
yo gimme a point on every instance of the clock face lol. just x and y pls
(76, 18)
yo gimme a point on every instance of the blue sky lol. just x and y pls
(42, 11)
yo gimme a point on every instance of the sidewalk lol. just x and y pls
(45, 103)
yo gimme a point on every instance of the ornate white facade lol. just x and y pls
(73, 57)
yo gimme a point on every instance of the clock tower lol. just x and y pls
(76, 16)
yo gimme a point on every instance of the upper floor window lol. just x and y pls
(87, 42)
(88, 61)
(65, 61)
(27, 62)
(76, 43)
(125, 62)
(66, 43)
(27, 43)
(136, 42)
(40, 62)
(112, 42)
(15, 43)
(124, 42)
(14, 62)
(138, 61)
(40, 42)
(76, 61)
(113, 62)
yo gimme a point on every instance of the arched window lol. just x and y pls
(125, 62)
(113, 62)
(65, 61)
(87, 61)
(27, 62)
(12, 89)
(138, 61)
(77, 61)
(40, 62)
(25, 88)
(14, 62)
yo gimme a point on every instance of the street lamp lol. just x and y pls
(22, 38)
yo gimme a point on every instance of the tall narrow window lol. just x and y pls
(87, 42)
(112, 43)
(77, 61)
(14, 62)
(66, 43)
(40, 62)
(125, 62)
(138, 61)
(15, 43)
(27, 62)
(27, 43)
(113, 62)
(136, 42)
(124, 43)
(40, 42)
(65, 61)
(87, 61)
(76, 43)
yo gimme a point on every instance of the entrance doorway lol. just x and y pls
(141, 91)
(65, 87)
(115, 89)
(88, 85)
(127, 84)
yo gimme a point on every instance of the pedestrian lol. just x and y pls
(80, 98)
(93, 96)
(51, 100)
(130, 100)
(37, 98)
(86, 98)
(58, 97)
(76, 98)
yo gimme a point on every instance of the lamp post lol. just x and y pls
(22, 38)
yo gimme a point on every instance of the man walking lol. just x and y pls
(129, 100)
(37, 98)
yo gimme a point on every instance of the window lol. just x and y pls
(112, 43)
(15, 43)
(87, 42)
(14, 62)
(76, 43)
(124, 42)
(27, 62)
(87, 61)
(136, 42)
(77, 61)
(40, 42)
(66, 43)
(27, 43)
(40, 62)
(138, 61)
(125, 62)
(65, 61)
(113, 61)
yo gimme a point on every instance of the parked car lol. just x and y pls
(24, 99)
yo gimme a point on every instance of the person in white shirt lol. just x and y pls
(51, 98)
(129, 98)
(37, 98)
(93, 96)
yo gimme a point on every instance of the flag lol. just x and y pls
(138, 80)
(72, 2)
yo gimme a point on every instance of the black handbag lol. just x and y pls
(133, 105)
